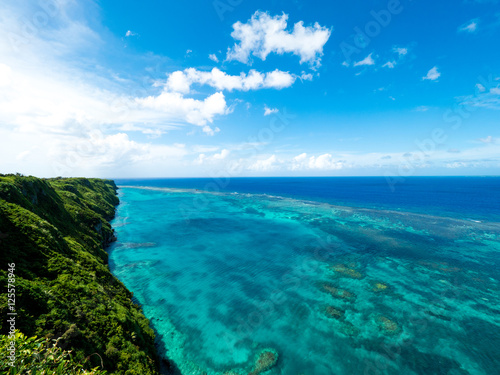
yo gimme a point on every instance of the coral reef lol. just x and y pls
(337, 292)
(379, 287)
(335, 313)
(348, 329)
(387, 325)
(266, 359)
(343, 271)
(345, 327)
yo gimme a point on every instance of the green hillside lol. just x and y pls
(55, 231)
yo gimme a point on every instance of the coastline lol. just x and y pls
(375, 261)
(56, 232)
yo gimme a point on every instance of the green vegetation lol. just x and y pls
(55, 231)
(41, 356)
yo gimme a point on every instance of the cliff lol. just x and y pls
(56, 231)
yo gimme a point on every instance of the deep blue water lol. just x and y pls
(327, 275)
(464, 197)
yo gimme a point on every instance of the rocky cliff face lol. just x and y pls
(55, 231)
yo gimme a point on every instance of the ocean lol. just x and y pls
(315, 275)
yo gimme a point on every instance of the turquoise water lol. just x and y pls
(332, 290)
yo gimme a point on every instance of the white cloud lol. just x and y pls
(265, 165)
(236, 158)
(213, 57)
(322, 162)
(480, 87)
(178, 82)
(305, 77)
(175, 105)
(130, 33)
(43, 88)
(432, 74)
(263, 34)
(268, 111)
(59, 114)
(489, 139)
(89, 153)
(279, 79)
(150, 132)
(209, 131)
(214, 158)
(469, 27)
(222, 155)
(58, 109)
(153, 133)
(400, 51)
(181, 81)
(483, 98)
(368, 60)
(5, 75)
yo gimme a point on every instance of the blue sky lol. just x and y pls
(239, 88)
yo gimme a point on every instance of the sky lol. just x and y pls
(233, 88)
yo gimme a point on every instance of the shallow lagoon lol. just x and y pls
(334, 290)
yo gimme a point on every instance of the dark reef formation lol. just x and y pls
(56, 231)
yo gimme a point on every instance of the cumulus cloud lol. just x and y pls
(389, 64)
(401, 51)
(60, 115)
(89, 152)
(222, 155)
(181, 81)
(44, 90)
(269, 111)
(236, 161)
(209, 131)
(265, 165)
(213, 57)
(103, 149)
(264, 34)
(216, 157)
(368, 60)
(432, 74)
(175, 105)
(322, 162)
